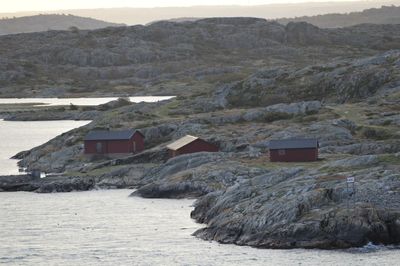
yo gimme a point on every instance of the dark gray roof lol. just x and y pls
(293, 144)
(111, 135)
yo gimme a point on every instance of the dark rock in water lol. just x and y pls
(66, 185)
(18, 183)
(182, 190)
(45, 185)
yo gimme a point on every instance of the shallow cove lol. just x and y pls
(21, 136)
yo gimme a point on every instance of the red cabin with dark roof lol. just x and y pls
(113, 142)
(190, 144)
(293, 150)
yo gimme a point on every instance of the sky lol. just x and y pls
(48, 5)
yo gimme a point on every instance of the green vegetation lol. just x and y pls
(274, 116)
(167, 109)
(263, 162)
(390, 159)
(376, 133)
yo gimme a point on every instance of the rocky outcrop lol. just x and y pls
(344, 81)
(360, 161)
(303, 33)
(192, 175)
(266, 114)
(293, 209)
(364, 148)
(46, 185)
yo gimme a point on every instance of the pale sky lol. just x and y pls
(48, 5)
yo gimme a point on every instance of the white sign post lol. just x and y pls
(350, 181)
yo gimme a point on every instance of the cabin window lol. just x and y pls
(99, 147)
(281, 152)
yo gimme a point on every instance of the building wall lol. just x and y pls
(198, 145)
(294, 155)
(115, 146)
(139, 139)
(90, 146)
(119, 146)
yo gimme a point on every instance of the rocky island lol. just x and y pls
(240, 82)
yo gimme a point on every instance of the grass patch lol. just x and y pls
(96, 172)
(274, 116)
(390, 159)
(165, 110)
(376, 133)
(330, 178)
(263, 162)
(353, 112)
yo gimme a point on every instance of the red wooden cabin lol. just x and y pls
(114, 142)
(190, 144)
(293, 150)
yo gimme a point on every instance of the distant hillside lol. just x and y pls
(161, 55)
(383, 15)
(49, 22)
(134, 16)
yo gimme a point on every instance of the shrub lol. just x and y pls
(73, 107)
(375, 133)
(273, 116)
(387, 122)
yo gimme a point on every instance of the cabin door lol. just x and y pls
(99, 147)
(134, 146)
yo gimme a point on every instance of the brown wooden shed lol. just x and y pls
(293, 150)
(190, 144)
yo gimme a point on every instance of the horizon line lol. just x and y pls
(204, 6)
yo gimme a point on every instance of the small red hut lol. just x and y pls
(114, 142)
(293, 150)
(190, 144)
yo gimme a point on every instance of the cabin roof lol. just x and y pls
(293, 144)
(176, 145)
(111, 135)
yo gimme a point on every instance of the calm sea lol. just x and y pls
(21, 136)
(110, 228)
